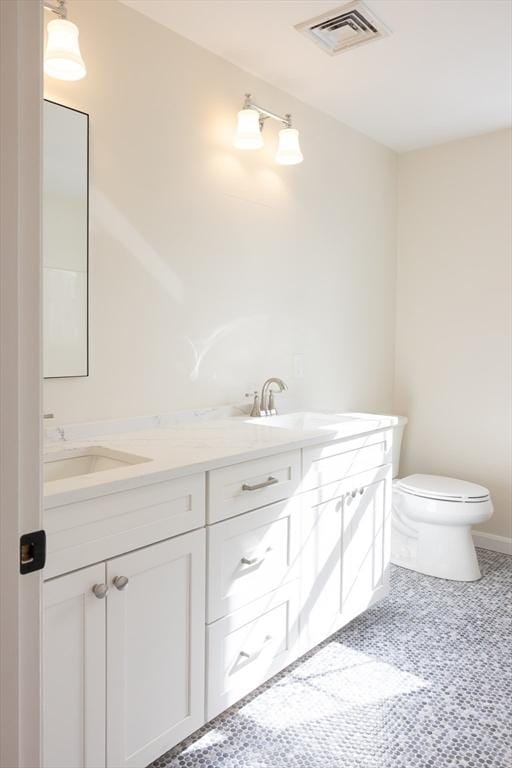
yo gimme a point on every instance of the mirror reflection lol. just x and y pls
(65, 241)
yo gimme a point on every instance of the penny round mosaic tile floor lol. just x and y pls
(422, 680)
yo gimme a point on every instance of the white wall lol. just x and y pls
(209, 267)
(453, 342)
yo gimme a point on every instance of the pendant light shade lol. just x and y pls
(62, 58)
(248, 133)
(288, 149)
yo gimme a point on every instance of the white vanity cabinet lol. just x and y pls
(216, 581)
(124, 674)
(284, 576)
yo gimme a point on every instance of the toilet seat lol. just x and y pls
(443, 489)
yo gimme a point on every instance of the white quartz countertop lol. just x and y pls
(196, 446)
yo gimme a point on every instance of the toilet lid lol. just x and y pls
(443, 488)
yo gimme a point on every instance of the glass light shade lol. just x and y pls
(288, 149)
(248, 133)
(62, 58)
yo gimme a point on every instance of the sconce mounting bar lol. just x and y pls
(58, 7)
(266, 113)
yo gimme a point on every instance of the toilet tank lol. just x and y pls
(398, 432)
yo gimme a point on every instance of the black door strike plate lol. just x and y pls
(32, 551)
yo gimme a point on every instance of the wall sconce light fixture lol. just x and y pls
(251, 120)
(62, 57)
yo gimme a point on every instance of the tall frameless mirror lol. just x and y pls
(65, 241)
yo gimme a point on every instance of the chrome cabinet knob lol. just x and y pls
(100, 591)
(120, 582)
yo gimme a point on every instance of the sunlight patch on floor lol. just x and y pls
(336, 678)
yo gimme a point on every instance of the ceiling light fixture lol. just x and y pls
(62, 57)
(251, 120)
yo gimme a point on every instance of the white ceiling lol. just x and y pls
(445, 72)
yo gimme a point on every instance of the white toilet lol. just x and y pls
(431, 521)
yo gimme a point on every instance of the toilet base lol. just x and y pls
(404, 544)
(447, 552)
(444, 551)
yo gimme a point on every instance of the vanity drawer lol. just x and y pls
(251, 555)
(95, 529)
(249, 646)
(252, 484)
(325, 464)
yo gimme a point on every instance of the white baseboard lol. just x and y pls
(493, 541)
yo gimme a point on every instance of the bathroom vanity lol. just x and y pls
(209, 557)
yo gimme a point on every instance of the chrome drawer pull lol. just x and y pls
(255, 560)
(264, 484)
(246, 655)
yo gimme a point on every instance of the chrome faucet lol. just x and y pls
(266, 406)
(267, 402)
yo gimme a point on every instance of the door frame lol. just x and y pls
(20, 378)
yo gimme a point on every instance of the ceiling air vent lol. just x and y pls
(344, 27)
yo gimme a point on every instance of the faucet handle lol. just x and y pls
(255, 410)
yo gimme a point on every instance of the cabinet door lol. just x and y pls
(155, 649)
(74, 671)
(365, 546)
(345, 552)
(320, 578)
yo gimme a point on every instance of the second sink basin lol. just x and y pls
(84, 461)
(306, 420)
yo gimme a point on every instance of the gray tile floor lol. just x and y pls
(422, 680)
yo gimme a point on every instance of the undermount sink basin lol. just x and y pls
(306, 420)
(85, 461)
